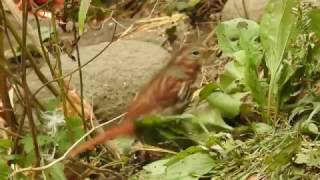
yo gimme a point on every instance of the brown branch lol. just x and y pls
(25, 85)
(4, 88)
(80, 75)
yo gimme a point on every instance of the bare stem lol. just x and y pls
(25, 85)
(8, 110)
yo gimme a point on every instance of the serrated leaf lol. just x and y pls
(75, 127)
(52, 104)
(28, 143)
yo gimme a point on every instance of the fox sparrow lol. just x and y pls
(167, 93)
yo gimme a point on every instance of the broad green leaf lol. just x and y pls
(83, 9)
(190, 167)
(183, 154)
(262, 128)
(253, 82)
(212, 118)
(228, 82)
(182, 5)
(228, 105)
(4, 169)
(234, 73)
(310, 158)
(193, 3)
(235, 69)
(207, 90)
(309, 128)
(157, 168)
(276, 31)
(5, 143)
(315, 19)
(229, 34)
(56, 172)
(188, 164)
(286, 73)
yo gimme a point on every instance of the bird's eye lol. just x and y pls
(195, 53)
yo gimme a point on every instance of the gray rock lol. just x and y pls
(253, 10)
(235, 8)
(111, 80)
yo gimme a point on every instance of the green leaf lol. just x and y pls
(262, 128)
(52, 104)
(83, 9)
(310, 158)
(188, 164)
(287, 151)
(253, 82)
(315, 19)
(75, 127)
(156, 168)
(232, 34)
(68, 135)
(190, 167)
(124, 144)
(56, 172)
(5, 143)
(207, 90)
(276, 32)
(212, 118)
(287, 72)
(228, 105)
(183, 154)
(63, 140)
(28, 143)
(193, 3)
(4, 169)
(182, 5)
